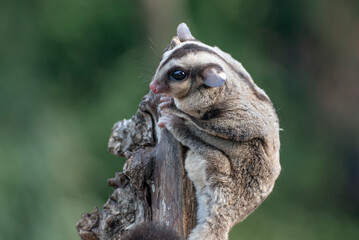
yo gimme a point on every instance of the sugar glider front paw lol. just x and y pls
(169, 120)
(166, 102)
(168, 106)
(168, 110)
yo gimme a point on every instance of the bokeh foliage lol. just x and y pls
(69, 69)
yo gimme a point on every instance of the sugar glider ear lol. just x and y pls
(175, 41)
(184, 33)
(213, 77)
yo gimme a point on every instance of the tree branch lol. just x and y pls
(152, 186)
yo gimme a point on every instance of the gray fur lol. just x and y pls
(231, 130)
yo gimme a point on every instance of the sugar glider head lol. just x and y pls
(188, 66)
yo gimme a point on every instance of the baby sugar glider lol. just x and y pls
(212, 106)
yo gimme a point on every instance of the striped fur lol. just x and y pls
(229, 125)
(196, 48)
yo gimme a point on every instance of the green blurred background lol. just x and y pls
(69, 69)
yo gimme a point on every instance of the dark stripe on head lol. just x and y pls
(186, 49)
(193, 48)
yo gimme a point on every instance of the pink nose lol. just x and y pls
(153, 86)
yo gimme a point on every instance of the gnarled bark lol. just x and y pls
(152, 186)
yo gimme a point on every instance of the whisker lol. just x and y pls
(154, 51)
(153, 43)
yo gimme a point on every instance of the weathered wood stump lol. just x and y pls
(152, 186)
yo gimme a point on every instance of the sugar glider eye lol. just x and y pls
(178, 75)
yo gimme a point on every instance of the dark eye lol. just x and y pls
(178, 75)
